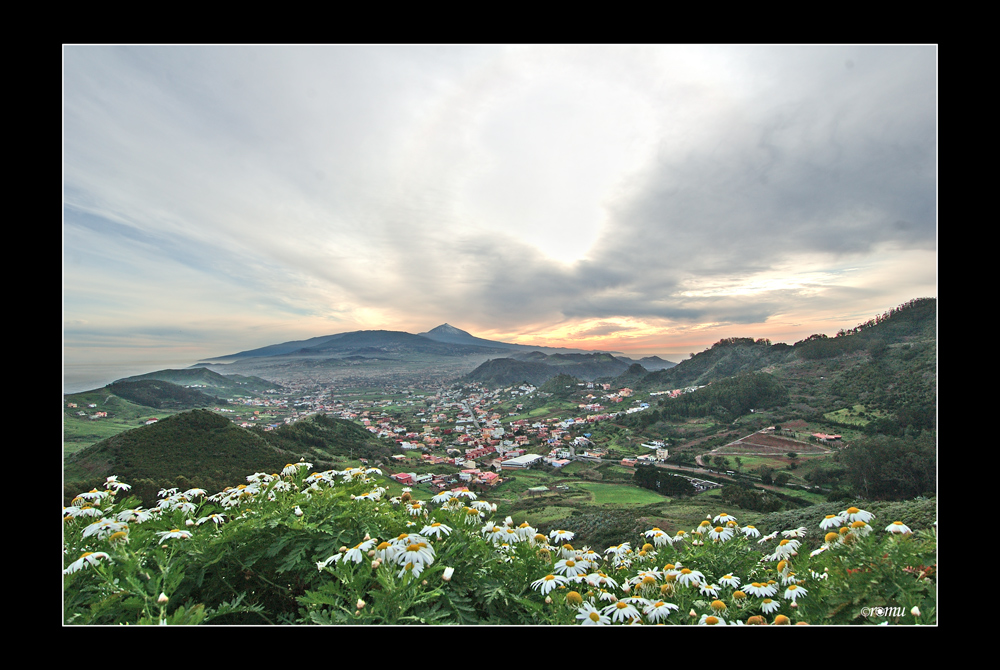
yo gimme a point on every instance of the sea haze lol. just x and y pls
(86, 377)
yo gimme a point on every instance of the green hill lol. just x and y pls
(162, 394)
(200, 447)
(214, 383)
(323, 437)
(208, 451)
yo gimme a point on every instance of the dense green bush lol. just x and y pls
(329, 548)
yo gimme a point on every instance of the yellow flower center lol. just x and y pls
(781, 620)
(783, 543)
(718, 529)
(570, 563)
(574, 597)
(620, 605)
(647, 580)
(858, 524)
(718, 605)
(831, 537)
(594, 616)
(549, 578)
(739, 595)
(685, 571)
(853, 510)
(711, 621)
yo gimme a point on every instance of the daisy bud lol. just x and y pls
(423, 582)
(448, 572)
(298, 511)
(692, 614)
(371, 554)
(915, 611)
(377, 562)
(361, 604)
(367, 537)
(189, 522)
(162, 599)
(343, 550)
(548, 600)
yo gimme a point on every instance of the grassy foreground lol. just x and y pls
(332, 548)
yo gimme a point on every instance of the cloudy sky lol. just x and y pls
(645, 199)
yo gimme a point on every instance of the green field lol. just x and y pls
(81, 431)
(619, 494)
(851, 415)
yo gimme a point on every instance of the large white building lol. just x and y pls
(521, 462)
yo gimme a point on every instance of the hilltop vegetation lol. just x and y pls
(162, 395)
(537, 368)
(208, 451)
(230, 386)
(323, 437)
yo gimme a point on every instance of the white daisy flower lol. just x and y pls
(897, 527)
(687, 576)
(831, 521)
(711, 620)
(769, 606)
(730, 581)
(175, 533)
(855, 514)
(88, 558)
(358, 551)
(794, 591)
(549, 582)
(621, 611)
(659, 610)
(436, 529)
(760, 590)
(720, 534)
(709, 590)
(588, 615)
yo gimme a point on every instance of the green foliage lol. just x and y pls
(888, 468)
(663, 482)
(280, 556)
(162, 395)
(747, 497)
(728, 398)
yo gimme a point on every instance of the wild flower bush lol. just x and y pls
(330, 547)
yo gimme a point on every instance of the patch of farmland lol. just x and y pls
(758, 443)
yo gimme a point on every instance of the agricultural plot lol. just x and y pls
(619, 494)
(758, 443)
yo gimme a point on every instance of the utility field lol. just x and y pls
(762, 444)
